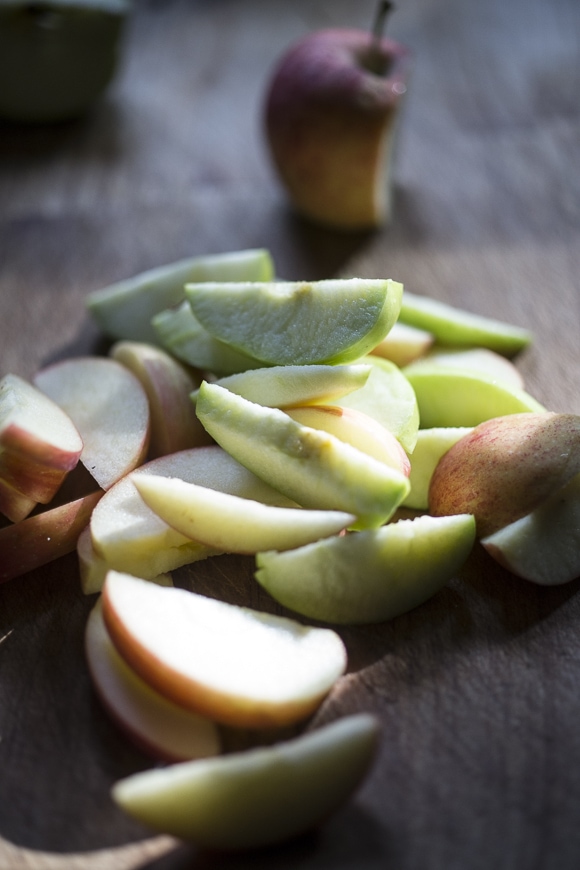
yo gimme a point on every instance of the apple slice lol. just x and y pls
(308, 465)
(403, 344)
(506, 467)
(454, 326)
(93, 568)
(431, 445)
(233, 524)
(125, 309)
(544, 546)
(158, 727)
(288, 386)
(130, 537)
(357, 429)
(300, 322)
(478, 359)
(370, 576)
(108, 406)
(234, 665)
(449, 396)
(183, 335)
(287, 789)
(168, 384)
(13, 504)
(44, 537)
(388, 397)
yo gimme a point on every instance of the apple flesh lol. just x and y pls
(478, 359)
(506, 467)
(93, 568)
(154, 724)
(109, 407)
(404, 344)
(431, 445)
(330, 120)
(287, 789)
(370, 576)
(298, 322)
(209, 656)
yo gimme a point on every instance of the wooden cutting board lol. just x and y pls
(478, 690)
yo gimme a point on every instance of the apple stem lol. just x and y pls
(384, 8)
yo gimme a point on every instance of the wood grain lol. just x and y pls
(478, 689)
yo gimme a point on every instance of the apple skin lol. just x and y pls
(506, 467)
(330, 115)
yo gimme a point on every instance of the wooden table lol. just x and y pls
(478, 690)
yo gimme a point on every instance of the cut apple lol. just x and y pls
(431, 445)
(93, 568)
(308, 465)
(449, 396)
(370, 576)
(125, 309)
(288, 386)
(234, 665)
(160, 728)
(478, 359)
(168, 384)
(286, 789)
(506, 467)
(301, 322)
(544, 546)
(130, 537)
(109, 407)
(233, 524)
(404, 344)
(13, 504)
(44, 537)
(454, 326)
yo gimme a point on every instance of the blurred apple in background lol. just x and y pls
(57, 56)
(331, 113)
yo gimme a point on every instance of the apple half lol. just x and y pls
(259, 797)
(232, 664)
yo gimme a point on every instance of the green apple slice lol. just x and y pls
(125, 309)
(454, 326)
(301, 322)
(287, 386)
(388, 397)
(181, 333)
(448, 396)
(369, 576)
(259, 797)
(233, 524)
(544, 546)
(403, 344)
(308, 465)
(431, 445)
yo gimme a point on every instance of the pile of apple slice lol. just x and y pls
(355, 439)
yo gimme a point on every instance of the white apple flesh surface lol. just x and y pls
(109, 407)
(404, 344)
(286, 789)
(544, 546)
(370, 576)
(93, 569)
(506, 467)
(231, 664)
(331, 113)
(308, 465)
(158, 727)
(233, 524)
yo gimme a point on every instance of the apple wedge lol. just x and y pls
(130, 537)
(454, 326)
(93, 568)
(233, 524)
(168, 384)
(286, 789)
(296, 323)
(288, 386)
(431, 445)
(478, 359)
(125, 309)
(449, 396)
(232, 664)
(44, 537)
(109, 407)
(404, 344)
(13, 504)
(308, 465)
(506, 467)
(158, 727)
(369, 576)
(544, 546)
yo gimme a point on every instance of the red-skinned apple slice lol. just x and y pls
(109, 408)
(232, 664)
(162, 729)
(13, 504)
